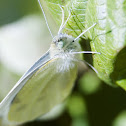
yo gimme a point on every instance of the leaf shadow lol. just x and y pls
(85, 45)
(119, 73)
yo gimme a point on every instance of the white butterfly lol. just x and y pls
(48, 82)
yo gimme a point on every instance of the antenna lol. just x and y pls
(91, 66)
(63, 25)
(62, 20)
(88, 52)
(66, 21)
(84, 32)
(45, 18)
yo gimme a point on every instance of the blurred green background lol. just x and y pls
(24, 37)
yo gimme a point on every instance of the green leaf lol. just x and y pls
(108, 37)
(89, 83)
(120, 119)
(76, 101)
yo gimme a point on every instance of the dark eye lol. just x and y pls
(59, 40)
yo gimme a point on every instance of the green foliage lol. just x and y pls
(107, 37)
(120, 119)
(75, 102)
(13, 10)
(89, 83)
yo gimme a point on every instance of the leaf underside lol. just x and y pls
(108, 37)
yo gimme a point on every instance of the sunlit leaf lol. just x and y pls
(107, 37)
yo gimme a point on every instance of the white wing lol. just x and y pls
(45, 89)
(9, 97)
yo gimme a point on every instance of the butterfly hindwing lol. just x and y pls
(43, 91)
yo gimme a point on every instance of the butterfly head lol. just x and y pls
(63, 44)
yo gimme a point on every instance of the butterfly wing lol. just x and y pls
(43, 90)
(7, 100)
(39, 63)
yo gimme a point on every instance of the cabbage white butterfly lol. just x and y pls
(48, 82)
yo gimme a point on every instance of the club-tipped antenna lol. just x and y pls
(45, 18)
(61, 26)
(84, 32)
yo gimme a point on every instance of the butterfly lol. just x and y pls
(48, 82)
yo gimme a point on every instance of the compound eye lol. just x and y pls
(59, 40)
(60, 45)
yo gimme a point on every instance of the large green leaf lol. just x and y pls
(108, 37)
